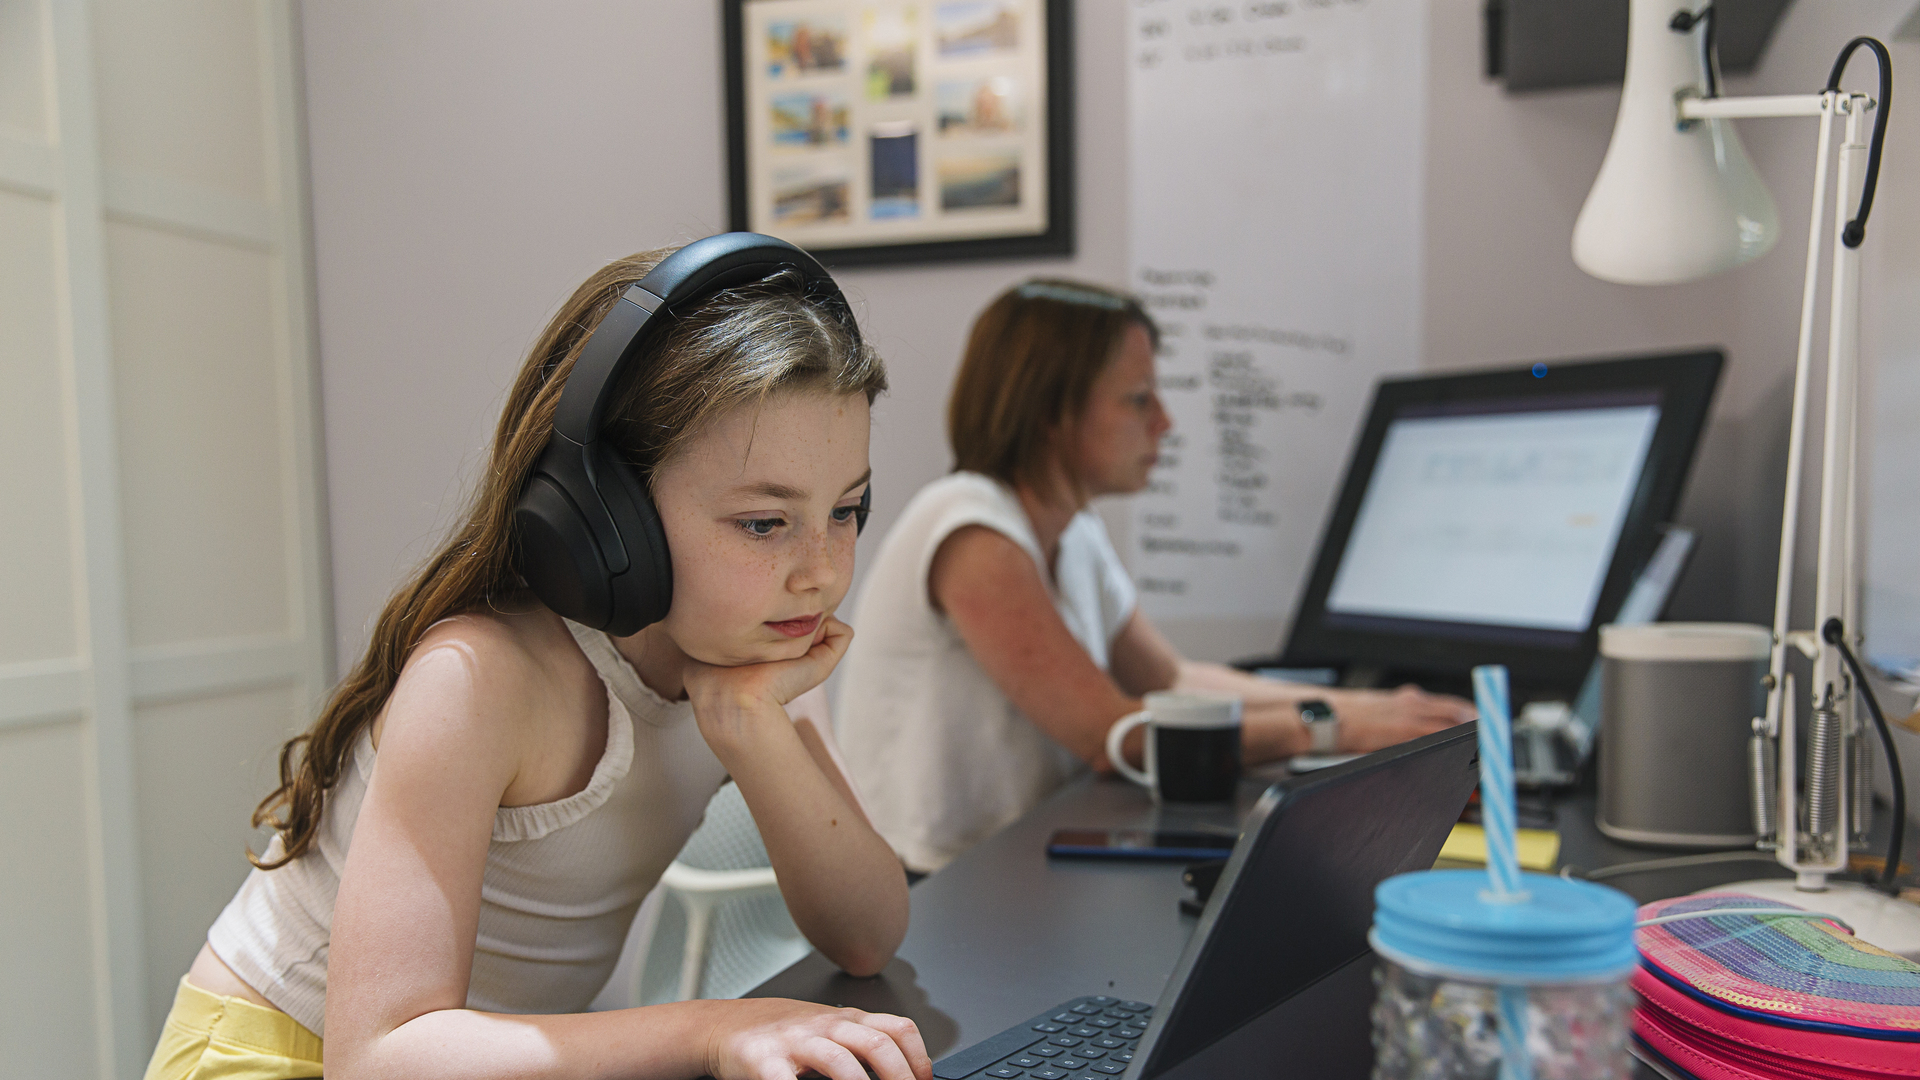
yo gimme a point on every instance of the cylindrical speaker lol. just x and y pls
(1677, 702)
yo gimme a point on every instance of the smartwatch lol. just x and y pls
(1322, 726)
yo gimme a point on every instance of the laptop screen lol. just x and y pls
(1296, 900)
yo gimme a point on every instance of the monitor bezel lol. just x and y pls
(1543, 661)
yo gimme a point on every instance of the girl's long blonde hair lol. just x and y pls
(733, 349)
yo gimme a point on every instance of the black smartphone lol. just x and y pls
(1139, 844)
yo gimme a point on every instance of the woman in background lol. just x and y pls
(999, 635)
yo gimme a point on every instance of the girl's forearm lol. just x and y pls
(665, 1041)
(842, 883)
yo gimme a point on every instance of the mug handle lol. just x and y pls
(1115, 736)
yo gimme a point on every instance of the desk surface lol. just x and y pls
(1003, 932)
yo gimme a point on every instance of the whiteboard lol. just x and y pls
(1276, 224)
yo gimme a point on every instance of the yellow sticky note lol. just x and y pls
(1538, 848)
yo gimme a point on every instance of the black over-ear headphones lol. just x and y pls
(587, 536)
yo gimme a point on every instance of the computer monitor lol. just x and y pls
(1499, 517)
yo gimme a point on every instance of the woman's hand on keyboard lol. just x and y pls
(779, 1039)
(1372, 719)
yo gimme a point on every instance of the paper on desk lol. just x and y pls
(1539, 848)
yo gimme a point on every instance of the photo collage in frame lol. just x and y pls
(887, 130)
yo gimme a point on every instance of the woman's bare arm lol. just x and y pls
(1369, 719)
(993, 593)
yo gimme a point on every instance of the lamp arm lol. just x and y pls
(1744, 108)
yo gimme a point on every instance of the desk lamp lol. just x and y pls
(1676, 200)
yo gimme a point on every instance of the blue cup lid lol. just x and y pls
(1446, 923)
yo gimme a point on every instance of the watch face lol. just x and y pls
(1315, 711)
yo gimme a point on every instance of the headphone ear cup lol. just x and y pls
(860, 512)
(642, 595)
(555, 551)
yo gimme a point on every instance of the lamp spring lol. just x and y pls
(1763, 785)
(1859, 784)
(1824, 747)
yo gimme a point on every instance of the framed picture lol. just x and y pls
(873, 131)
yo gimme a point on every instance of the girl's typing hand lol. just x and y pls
(779, 1039)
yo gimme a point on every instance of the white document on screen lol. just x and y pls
(1277, 160)
(1507, 520)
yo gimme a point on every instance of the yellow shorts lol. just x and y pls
(210, 1037)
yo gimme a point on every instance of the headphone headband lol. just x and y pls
(693, 273)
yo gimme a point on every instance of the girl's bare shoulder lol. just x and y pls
(495, 668)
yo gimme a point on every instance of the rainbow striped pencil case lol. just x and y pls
(1733, 997)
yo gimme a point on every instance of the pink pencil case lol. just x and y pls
(1733, 996)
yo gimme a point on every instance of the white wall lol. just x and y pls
(469, 170)
(473, 162)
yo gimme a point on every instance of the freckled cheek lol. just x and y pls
(843, 563)
(719, 585)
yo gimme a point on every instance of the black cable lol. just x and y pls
(1683, 22)
(1856, 229)
(1835, 634)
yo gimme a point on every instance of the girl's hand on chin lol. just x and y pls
(768, 1038)
(717, 692)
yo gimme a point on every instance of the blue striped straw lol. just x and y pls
(1516, 1063)
(1496, 780)
(1503, 856)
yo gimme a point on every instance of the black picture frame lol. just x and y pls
(1056, 238)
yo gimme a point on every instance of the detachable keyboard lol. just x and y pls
(1088, 1038)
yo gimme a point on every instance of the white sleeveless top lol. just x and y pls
(942, 756)
(562, 879)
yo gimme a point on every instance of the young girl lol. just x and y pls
(463, 837)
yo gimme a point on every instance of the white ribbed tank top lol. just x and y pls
(562, 880)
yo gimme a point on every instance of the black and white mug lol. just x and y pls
(1193, 747)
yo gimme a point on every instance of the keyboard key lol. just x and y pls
(1110, 1068)
(1109, 1043)
(1069, 1063)
(1136, 1006)
(1123, 1056)
(1090, 1052)
(1087, 1010)
(1064, 1040)
(1101, 999)
(1085, 1032)
(1102, 1021)
(1048, 1074)
(1028, 1061)
(1050, 1029)
(1005, 1073)
(1120, 1014)
(1044, 1051)
(1066, 1018)
(1130, 1033)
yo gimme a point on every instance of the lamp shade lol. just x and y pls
(1670, 204)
